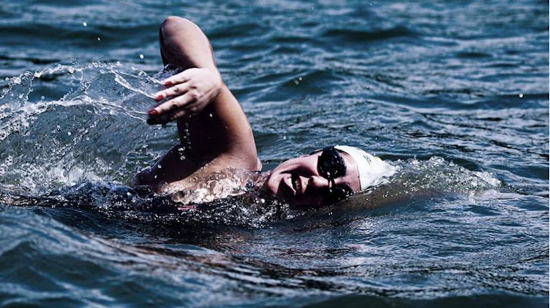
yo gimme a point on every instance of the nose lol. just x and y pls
(317, 182)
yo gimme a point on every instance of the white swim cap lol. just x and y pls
(372, 170)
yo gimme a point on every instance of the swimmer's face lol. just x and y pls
(298, 181)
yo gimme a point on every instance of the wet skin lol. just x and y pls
(219, 136)
(298, 182)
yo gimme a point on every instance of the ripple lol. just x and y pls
(455, 94)
(349, 35)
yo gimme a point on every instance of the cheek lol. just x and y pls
(271, 184)
(354, 183)
(305, 166)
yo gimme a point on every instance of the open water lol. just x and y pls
(454, 93)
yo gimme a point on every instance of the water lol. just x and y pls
(454, 93)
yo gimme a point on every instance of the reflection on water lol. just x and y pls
(455, 95)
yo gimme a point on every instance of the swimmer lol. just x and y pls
(215, 135)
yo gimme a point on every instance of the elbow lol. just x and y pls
(142, 178)
(173, 25)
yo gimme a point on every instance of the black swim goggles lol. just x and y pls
(331, 165)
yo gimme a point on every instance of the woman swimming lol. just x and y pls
(216, 137)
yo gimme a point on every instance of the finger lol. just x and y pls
(179, 102)
(167, 117)
(169, 106)
(157, 120)
(163, 119)
(173, 91)
(178, 114)
(170, 110)
(176, 79)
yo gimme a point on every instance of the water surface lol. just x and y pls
(454, 93)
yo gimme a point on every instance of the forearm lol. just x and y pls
(185, 46)
(211, 122)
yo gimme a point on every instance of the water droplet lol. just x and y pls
(159, 166)
(69, 133)
(211, 115)
(98, 38)
(141, 56)
(85, 24)
(521, 95)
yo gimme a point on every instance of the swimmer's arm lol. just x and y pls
(169, 168)
(219, 130)
(185, 46)
(173, 172)
(165, 176)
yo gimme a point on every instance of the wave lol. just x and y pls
(78, 150)
(435, 178)
(91, 132)
(362, 36)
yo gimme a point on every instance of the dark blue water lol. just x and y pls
(454, 93)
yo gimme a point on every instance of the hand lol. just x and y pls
(187, 93)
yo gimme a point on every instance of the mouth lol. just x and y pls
(290, 186)
(296, 183)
